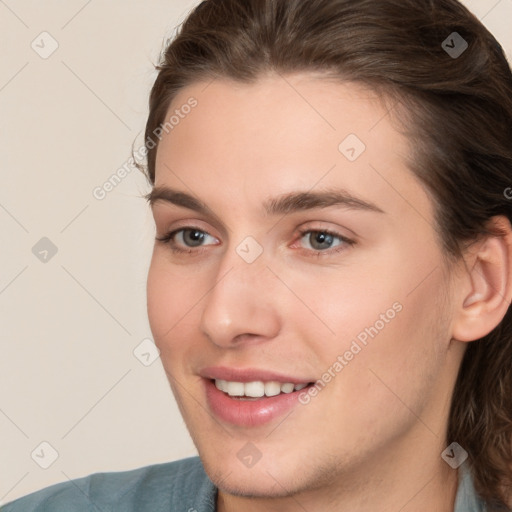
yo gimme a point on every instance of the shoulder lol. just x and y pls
(179, 485)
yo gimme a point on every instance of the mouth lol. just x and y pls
(251, 398)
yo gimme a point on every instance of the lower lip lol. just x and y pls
(249, 413)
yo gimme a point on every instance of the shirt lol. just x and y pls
(180, 486)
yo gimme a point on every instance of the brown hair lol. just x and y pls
(456, 111)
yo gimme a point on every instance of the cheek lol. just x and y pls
(336, 307)
(388, 328)
(396, 371)
(161, 301)
(171, 302)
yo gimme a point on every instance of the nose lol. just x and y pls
(243, 305)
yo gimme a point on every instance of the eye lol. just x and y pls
(323, 240)
(185, 239)
(192, 240)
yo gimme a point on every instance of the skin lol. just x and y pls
(372, 438)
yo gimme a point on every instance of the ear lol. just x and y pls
(486, 286)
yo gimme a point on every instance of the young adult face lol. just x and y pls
(262, 295)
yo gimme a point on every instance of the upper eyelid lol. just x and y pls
(300, 231)
(162, 217)
(225, 229)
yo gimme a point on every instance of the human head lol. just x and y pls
(455, 112)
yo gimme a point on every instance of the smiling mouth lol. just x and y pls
(257, 389)
(244, 401)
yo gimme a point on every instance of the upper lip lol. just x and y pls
(249, 375)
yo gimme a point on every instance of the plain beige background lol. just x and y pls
(72, 323)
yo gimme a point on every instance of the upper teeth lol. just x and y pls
(257, 389)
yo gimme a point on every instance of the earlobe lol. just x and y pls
(489, 279)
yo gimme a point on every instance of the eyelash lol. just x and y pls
(168, 240)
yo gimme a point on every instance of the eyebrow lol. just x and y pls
(282, 205)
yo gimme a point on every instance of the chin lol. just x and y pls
(252, 486)
(264, 480)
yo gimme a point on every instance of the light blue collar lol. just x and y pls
(467, 500)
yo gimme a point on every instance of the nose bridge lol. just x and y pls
(242, 299)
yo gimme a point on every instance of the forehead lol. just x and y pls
(280, 109)
(286, 132)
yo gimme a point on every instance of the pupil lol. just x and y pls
(195, 237)
(322, 238)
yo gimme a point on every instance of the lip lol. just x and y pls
(249, 375)
(248, 413)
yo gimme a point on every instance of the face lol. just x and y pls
(305, 256)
